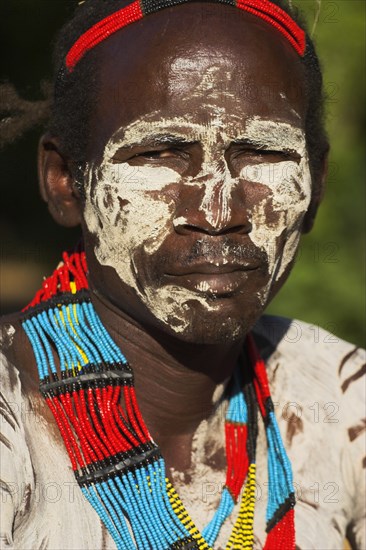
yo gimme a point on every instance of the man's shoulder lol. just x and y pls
(15, 349)
(275, 332)
(308, 349)
(9, 324)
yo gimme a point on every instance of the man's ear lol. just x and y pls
(57, 184)
(318, 183)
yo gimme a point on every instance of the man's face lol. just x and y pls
(194, 207)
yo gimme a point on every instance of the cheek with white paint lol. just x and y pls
(289, 184)
(128, 221)
(123, 214)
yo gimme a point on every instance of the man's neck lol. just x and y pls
(178, 384)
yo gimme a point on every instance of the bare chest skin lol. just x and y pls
(200, 484)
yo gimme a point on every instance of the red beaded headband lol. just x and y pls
(266, 10)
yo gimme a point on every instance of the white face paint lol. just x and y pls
(129, 208)
(290, 183)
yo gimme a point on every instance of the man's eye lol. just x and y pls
(268, 155)
(152, 155)
(260, 152)
(165, 153)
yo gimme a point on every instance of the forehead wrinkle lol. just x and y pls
(142, 130)
(274, 133)
(228, 129)
(269, 140)
(178, 130)
(158, 138)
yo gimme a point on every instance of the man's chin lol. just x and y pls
(202, 318)
(211, 329)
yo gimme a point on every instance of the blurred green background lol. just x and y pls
(326, 287)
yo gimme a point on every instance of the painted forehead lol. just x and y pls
(212, 110)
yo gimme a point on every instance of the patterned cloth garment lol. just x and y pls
(318, 391)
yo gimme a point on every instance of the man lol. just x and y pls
(192, 196)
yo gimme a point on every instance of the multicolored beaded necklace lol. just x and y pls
(119, 468)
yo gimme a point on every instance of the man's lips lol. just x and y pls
(220, 280)
(212, 268)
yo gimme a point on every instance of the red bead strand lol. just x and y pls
(85, 447)
(110, 421)
(65, 421)
(131, 415)
(113, 442)
(101, 30)
(279, 19)
(138, 415)
(263, 9)
(120, 419)
(260, 381)
(81, 269)
(63, 432)
(100, 448)
(282, 536)
(97, 426)
(87, 428)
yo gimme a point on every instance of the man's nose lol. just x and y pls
(213, 204)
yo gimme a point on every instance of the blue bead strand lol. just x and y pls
(92, 328)
(157, 473)
(63, 354)
(82, 341)
(225, 508)
(107, 336)
(156, 476)
(237, 410)
(93, 499)
(279, 469)
(37, 348)
(68, 336)
(153, 528)
(57, 329)
(107, 492)
(126, 494)
(88, 346)
(91, 332)
(51, 366)
(113, 350)
(237, 413)
(282, 451)
(65, 351)
(150, 511)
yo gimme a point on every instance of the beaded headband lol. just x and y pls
(264, 9)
